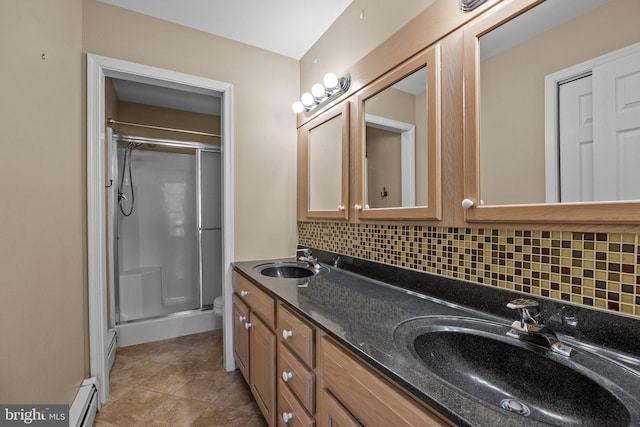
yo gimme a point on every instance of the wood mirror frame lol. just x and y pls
(433, 211)
(341, 212)
(620, 212)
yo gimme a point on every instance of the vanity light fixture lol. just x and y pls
(321, 94)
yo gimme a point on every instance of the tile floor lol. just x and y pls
(177, 382)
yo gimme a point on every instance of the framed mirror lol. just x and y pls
(552, 106)
(398, 148)
(323, 165)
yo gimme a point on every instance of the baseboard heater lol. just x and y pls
(85, 406)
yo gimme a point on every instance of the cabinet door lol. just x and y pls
(263, 367)
(241, 336)
(333, 414)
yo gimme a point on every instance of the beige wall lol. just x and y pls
(512, 99)
(43, 314)
(350, 38)
(264, 126)
(42, 257)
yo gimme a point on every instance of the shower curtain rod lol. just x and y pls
(166, 142)
(192, 132)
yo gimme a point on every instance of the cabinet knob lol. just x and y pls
(244, 293)
(467, 203)
(357, 207)
(286, 416)
(248, 325)
(286, 376)
(340, 208)
(286, 334)
(242, 318)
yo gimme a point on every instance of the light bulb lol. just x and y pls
(318, 91)
(297, 107)
(330, 81)
(307, 99)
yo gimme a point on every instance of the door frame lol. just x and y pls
(98, 68)
(551, 112)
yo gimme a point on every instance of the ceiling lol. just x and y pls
(287, 27)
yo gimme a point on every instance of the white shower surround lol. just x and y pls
(161, 231)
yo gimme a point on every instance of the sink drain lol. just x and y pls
(515, 407)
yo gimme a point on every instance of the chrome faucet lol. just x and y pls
(531, 329)
(307, 256)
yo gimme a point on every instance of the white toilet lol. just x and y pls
(218, 305)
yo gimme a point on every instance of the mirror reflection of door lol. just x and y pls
(390, 172)
(599, 131)
(517, 163)
(383, 168)
(395, 172)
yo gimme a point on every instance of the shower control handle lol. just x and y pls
(248, 325)
(242, 318)
(286, 376)
(244, 293)
(286, 334)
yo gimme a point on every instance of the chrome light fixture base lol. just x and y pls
(469, 5)
(330, 95)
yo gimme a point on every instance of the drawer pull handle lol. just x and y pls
(248, 325)
(286, 376)
(286, 416)
(242, 318)
(244, 293)
(286, 334)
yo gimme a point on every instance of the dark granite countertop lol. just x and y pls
(362, 313)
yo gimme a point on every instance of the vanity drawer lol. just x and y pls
(371, 399)
(297, 377)
(258, 300)
(290, 412)
(297, 335)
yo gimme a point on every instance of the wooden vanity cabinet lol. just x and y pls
(241, 336)
(334, 414)
(255, 341)
(354, 394)
(318, 381)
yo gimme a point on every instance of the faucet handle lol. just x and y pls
(529, 311)
(305, 251)
(521, 303)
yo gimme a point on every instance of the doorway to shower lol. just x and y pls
(100, 183)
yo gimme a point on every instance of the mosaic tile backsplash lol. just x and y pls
(600, 270)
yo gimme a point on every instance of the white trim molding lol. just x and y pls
(98, 68)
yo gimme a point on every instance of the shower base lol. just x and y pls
(169, 326)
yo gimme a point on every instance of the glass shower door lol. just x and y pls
(210, 224)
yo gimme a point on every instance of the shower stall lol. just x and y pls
(166, 237)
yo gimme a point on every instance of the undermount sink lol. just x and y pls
(476, 357)
(288, 270)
